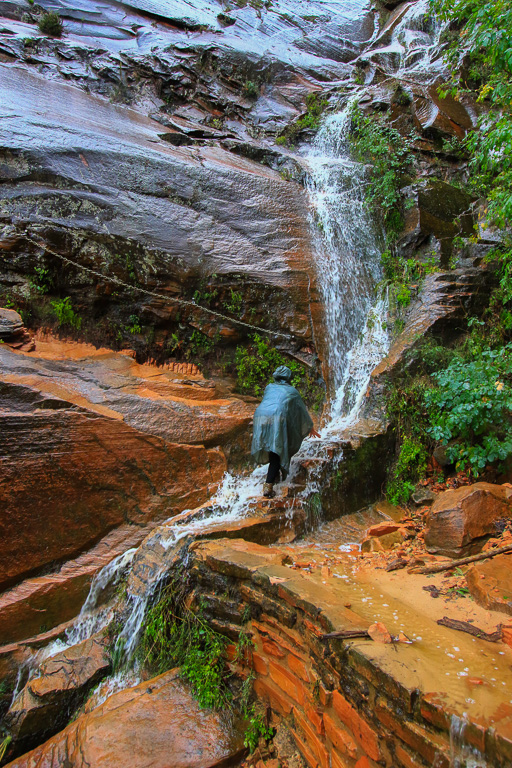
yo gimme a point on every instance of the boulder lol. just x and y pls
(156, 723)
(460, 520)
(44, 704)
(490, 583)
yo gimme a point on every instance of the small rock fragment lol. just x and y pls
(402, 638)
(379, 633)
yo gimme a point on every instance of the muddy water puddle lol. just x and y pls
(471, 676)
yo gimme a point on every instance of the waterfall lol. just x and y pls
(348, 244)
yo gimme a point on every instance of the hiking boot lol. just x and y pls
(268, 490)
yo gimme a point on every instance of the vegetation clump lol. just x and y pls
(315, 107)
(391, 159)
(50, 24)
(176, 636)
(65, 314)
(255, 365)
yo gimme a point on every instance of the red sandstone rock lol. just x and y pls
(382, 528)
(43, 704)
(490, 583)
(506, 634)
(460, 519)
(379, 633)
(157, 723)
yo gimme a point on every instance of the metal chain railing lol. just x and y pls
(181, 302)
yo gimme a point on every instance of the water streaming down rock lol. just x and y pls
(348, 243)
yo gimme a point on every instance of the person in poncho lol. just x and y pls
(281, 422)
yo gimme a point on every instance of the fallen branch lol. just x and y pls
(465, 560)
(345, 633)
(465, 626)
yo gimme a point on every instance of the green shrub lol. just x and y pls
(234, 304)
(315, 107)
(176, 636)
(50, 24)
(390, 155)
(255, 365)
(134, 325)
(409, 468)
(256, 729)
(250, 89)
(472, 406)
(42, 280)
(65, 313)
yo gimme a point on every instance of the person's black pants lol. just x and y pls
(273, 467)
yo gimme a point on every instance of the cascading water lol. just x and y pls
(348, 244)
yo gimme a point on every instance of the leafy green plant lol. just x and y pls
(250, 89)
(472, 406)
(3, 746)
(42, 280)
(256, 363)
(134, 326)
(50, 24)
(65, 313)
(199, 345)
(410, 466)
(256, 729)
(480, 57)
(391, 158)
(234, 304)
(310, 120)
(174, 635)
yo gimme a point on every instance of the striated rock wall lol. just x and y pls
(348, 704)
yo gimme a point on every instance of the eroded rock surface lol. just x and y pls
(461, 520)
(94, 443)
(44, 704)
(490, 583)
(157, 723)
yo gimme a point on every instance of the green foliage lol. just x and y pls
(480, 57)
(390, 155)
(3, 746)
(257, 729)
(281, 141)
(199, 345)
(234, 304)
(472, 405)
(134, 325)
(65, 313)
(410, 466)
(176, 636)
(315, 107)
(50, 24)
(42, 280)
(406, 409)
(256, 364)
(250, 89)
(404, 277)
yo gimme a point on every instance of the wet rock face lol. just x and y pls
(85, 470)
(44, 704)
(490, 583)
(157, 723)
(461, 520)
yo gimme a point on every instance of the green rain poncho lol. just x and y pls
(281, 421)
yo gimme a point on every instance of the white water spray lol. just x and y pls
(348, 244)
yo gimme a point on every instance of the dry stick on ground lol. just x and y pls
(465, 626)
(455, 563)
(345, 633)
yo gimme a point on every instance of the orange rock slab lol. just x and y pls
(156, 723)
